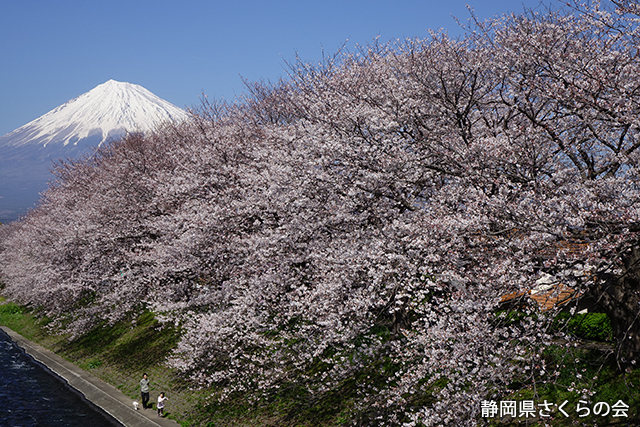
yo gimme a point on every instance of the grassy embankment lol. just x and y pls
(120, 354)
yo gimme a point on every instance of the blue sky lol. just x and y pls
(53, 51)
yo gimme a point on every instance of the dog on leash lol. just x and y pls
(135, 405)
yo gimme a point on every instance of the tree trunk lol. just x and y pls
(619, 297)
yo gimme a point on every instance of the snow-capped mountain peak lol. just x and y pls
(106, 111)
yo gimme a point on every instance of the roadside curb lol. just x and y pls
(96, 391)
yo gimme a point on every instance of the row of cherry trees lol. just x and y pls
(372, 207)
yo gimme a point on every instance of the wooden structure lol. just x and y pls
(546, 297)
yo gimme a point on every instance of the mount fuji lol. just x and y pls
(106, 112)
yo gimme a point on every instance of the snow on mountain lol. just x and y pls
(107, 110)
(69, 131)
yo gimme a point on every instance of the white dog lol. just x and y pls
(135, 405)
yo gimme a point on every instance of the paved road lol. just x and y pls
(101, 394)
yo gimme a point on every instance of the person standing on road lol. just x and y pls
(144, 390)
